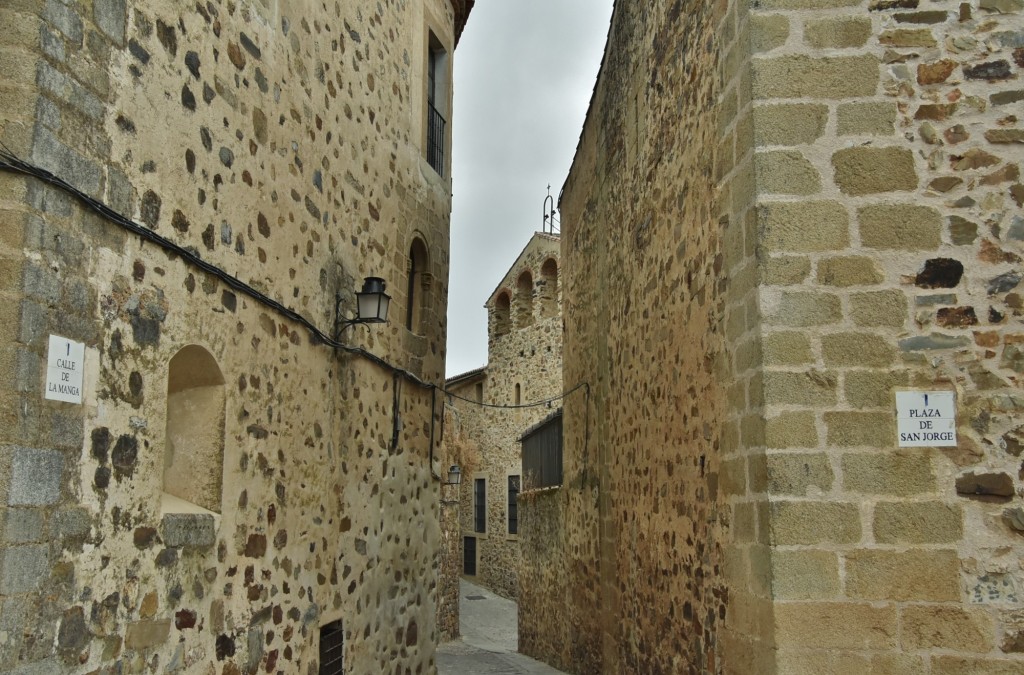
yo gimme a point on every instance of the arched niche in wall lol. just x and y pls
(524, 300)
(502, 314)
(418, 285)
(549, 288)
(194, 441)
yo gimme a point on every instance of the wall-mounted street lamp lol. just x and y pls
(371, 306)
(454, 479)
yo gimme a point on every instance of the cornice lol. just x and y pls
(462, 9)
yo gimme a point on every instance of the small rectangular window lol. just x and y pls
(469, 556)
(332, 649)
(513, 504)
(480, 505)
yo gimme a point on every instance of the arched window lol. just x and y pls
(194, 440)
(549, 288)
(419, 284)
(502, 314)
(524, 300)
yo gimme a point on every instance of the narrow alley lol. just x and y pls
(488, 624)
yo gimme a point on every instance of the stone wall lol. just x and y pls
(747, 636)
(524, 352)
(542, 572)
(887, 164)
(644, 296)
(746, 323)
(449, 565)
(281, 143)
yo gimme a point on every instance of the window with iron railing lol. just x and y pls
(435, 139)
(437, 101)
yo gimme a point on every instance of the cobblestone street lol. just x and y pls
(489, 627)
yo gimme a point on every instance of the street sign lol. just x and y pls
(65, 364)
(926, 419)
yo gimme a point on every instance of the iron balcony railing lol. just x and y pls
(435, 139)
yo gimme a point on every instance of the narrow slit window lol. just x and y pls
(480, 505)
(332, 649)
(513, 504)
(418, 285)
(469, 556)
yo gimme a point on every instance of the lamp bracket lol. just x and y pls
(341, 324)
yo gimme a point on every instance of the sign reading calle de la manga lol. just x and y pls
(65, 363)
(926, 418)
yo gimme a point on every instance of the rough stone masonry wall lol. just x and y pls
(644, 301)
(530, 356)
(449, 569)
(888, 154)
(542, 575)
(282, 143)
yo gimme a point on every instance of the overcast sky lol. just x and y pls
(524, 73)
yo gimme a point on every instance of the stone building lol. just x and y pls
(226, 491)
(524, 366)
(781, 215)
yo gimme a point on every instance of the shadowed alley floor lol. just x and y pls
(490, 638)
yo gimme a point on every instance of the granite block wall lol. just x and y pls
(889, 206)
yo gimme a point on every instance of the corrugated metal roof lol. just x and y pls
(540, 425)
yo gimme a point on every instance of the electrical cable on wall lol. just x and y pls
(534, 404)
(11, 162)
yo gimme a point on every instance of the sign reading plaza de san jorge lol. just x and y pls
(926, 418)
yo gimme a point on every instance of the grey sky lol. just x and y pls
(524, 72)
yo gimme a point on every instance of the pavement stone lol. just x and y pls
(489, 625)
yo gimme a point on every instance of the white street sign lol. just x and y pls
(65, 364)
(926, 418)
